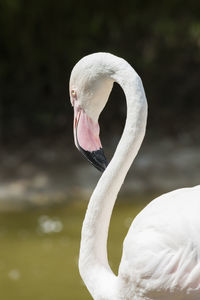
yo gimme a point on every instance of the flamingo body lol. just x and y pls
(161, 253)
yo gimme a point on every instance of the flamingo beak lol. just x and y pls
(86, 138)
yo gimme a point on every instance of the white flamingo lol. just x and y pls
(161, 252)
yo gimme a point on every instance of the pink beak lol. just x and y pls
(86, 138)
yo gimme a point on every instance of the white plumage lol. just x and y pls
(161, 252)
(163, 247)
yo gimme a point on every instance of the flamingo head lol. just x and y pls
(90, 86)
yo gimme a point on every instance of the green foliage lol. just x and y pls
(41, 40)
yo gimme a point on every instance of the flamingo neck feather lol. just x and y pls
(93, 263)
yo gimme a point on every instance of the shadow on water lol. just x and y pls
(39, 249)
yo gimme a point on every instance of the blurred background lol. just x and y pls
(44, 181)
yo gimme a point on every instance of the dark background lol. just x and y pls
(40, 41)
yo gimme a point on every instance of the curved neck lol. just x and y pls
(93, 262)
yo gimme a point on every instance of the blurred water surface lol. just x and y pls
(39, 250)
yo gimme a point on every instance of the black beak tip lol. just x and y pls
(96, 158)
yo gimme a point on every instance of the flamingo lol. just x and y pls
(161, 252)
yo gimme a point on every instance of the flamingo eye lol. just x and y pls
(74, 96)
(73, 93)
